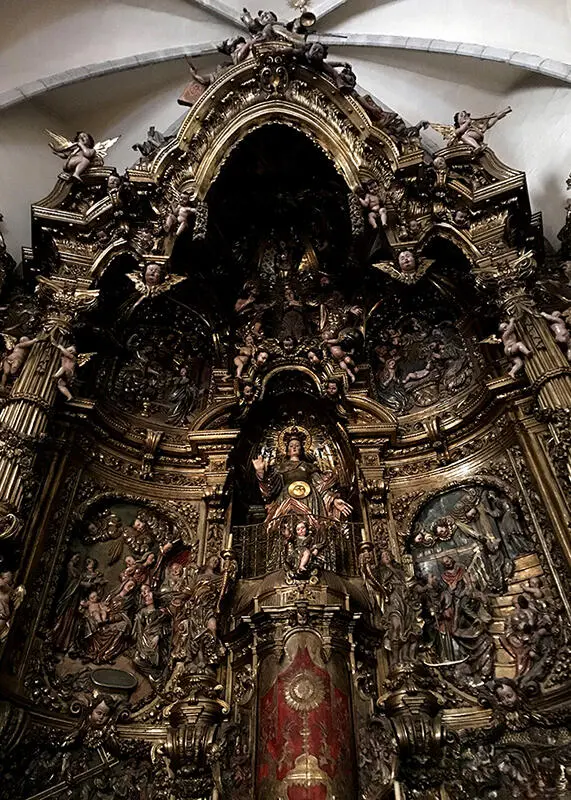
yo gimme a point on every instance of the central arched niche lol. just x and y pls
(292, 403)
(277, 190)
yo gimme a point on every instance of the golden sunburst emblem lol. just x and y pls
(305, 691)
(299, 489)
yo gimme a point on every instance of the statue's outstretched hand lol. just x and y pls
(343, 507)
(260, 464)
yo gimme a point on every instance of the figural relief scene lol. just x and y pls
(284, 462)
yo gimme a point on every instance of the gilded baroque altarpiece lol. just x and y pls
(285, 460)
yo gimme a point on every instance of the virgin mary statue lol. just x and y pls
(296, 486)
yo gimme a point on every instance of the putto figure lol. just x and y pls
(80, 154)
(513, 348)
(301, 549)
(153, 282)
(16, 356)
(296, 485)
(469, 130)
(560, 331)
(70, 360)
(373, 201)
(180, 215)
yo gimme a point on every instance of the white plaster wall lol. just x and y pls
(542, 27)
(27, 172)
(105, 107)
(39, 38)
(42, 37)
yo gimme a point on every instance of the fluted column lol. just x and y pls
(549, 374)
(24, 416)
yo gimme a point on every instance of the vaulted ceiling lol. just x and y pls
(117, 66)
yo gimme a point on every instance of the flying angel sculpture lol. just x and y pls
(469, 130)
(80, 154)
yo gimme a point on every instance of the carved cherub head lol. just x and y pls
(314, 357)
(262, 358)
(114, 181)
(100, 714)
(248, 393)
(288, 345)
(332, 389)
(461, 217)
(316, 53)
(407, 261)
(301, 530)
(154, 275)
(507, 694)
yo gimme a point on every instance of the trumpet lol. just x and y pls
(496, 115)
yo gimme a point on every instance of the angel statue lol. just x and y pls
(295, 485)
(180, 214)
(153, 282)
(468, 129)
(17, 352)
(70, 360)
(372, 198)
(409, 267)
(559, 326)
(513, 348)
(80, 154)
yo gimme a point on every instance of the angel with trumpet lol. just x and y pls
(469, 130)
(70, 360)
(514, 349)
(80, 154)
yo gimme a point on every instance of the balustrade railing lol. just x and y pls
(262, 548)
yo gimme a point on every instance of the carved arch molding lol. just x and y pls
(279, 514)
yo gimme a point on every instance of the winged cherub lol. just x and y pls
(468, 129)
(80, 154)
(70, 360)
(17, 351)
(153, 282)
(409, 267)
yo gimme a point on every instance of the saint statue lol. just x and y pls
(295, 485)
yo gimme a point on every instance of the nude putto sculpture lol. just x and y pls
(70, 360)
(79, 154)
(17, 352)
(469, 130)
(513, 348)
(560, 331)
(373, 201)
